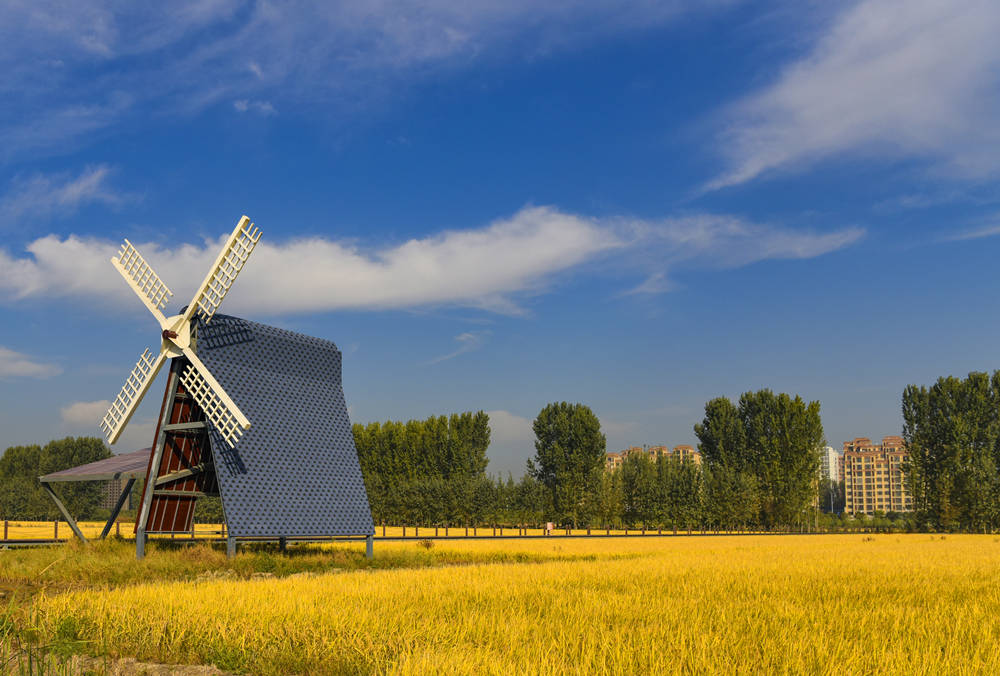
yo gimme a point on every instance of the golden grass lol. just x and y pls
(913, 604)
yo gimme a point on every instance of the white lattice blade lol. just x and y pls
(225, 416)
(142, 279)
(131, 394)
(227, 266)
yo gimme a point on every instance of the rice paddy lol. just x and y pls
(753, 604)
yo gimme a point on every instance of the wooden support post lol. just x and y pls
(158, 444)
(6, 527)
(65, 512)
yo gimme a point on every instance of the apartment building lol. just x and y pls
(873, 476)
(829, 464)
(111, 490)
(613, 461)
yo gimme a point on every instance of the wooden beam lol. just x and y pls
(186, 427)
(180, 494)
(180, 474)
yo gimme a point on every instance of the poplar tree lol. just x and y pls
(569, 458)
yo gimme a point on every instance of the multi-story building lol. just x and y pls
(613, 461)
(873, 476)
(829, 464)
(110, 492)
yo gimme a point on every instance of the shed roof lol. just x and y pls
(123, 466)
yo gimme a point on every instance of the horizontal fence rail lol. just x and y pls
(26, 533)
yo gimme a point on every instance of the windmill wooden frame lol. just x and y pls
(295, 473)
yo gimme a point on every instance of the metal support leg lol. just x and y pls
(65, 512)
(230, 546)
(118, 507)
(370, 547)
(282, 543)
(140, 543)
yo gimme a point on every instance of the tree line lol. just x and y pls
(760, 460)
(22, 497)
(761, 464)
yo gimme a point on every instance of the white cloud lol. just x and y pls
(42, 196)
(898, 78)
(491, 267)
(84, 417)
(89, 413)
(482, 267)
(73, 69)
(16, 365)
(467, 342)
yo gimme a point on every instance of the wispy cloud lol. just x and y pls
(40, 196)
(491, 267)
(260, 107)
(17, 365)
(87, 66)
(467, 342)
(892, 78)
(989, 230)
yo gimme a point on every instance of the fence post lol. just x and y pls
(55, 528)
(6, 525)
(416, 531)
(404, 531)
(435, 531)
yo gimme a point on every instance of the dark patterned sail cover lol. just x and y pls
(295, 472)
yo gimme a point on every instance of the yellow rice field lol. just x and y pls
(47, 530)
(903, 604)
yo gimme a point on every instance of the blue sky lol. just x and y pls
(496, 205)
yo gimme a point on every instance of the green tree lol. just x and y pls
(569, 458)
(952, 433)
(424, 471)
(640, 490)
(775, 438)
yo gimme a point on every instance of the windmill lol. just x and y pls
(295, 473)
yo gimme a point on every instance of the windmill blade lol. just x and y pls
(220, 278)
(132, 392)
(222, 412)
(140, 276)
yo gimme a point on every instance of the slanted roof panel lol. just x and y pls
(295, 472)
(122, 466)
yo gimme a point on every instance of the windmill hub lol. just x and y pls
(176, 333)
